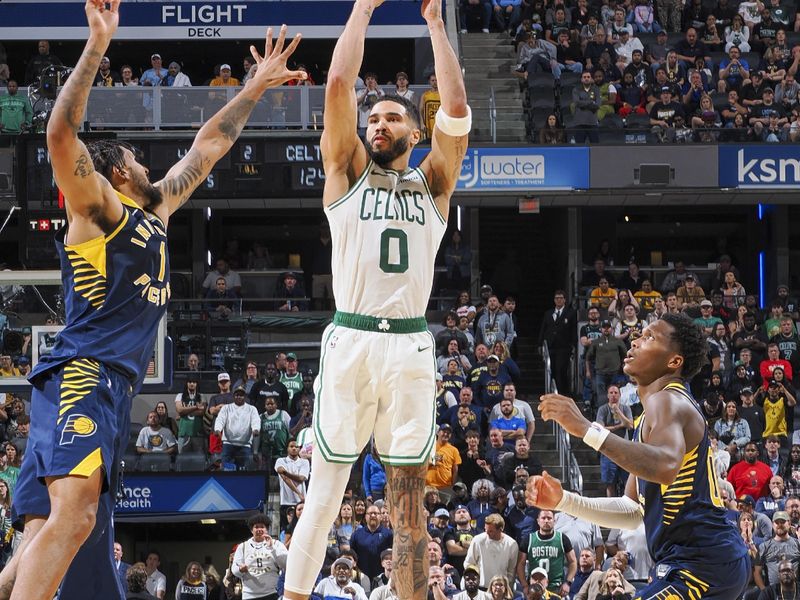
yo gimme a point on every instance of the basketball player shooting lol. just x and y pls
(672, 487)
(377, 366)
(115, 273)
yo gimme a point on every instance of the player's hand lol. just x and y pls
(272, 70)
(564, 591)
(243, 568)
(103, 17)
(565, 412)
(543, 491)
(431, 10)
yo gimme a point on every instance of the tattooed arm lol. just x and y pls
(87, 193)
(405, 487)
(443, 165)
(218, 135)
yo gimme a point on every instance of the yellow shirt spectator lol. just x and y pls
(224, 78)
(602, 295)
(646, 297)
(443, 467)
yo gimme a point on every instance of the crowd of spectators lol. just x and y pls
(700, 73)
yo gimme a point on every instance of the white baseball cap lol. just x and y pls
(225, 66)
(538, 571)
(223, 377)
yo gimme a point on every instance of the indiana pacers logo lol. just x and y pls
(669, 593)
(77, 426)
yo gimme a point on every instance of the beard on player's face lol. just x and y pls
(151, 194)
(384, 157)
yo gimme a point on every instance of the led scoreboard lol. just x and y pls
(256, 167)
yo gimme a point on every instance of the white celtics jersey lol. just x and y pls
(385, 234)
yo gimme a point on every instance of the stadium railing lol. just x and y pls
(570, 470)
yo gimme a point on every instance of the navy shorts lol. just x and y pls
(80, 417)
(694, 580)
(611, 473)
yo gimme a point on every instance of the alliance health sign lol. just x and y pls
(763, 165)
(512, 169)
(200, 493)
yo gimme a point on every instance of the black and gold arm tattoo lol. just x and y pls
(182, 184)
(233, 117)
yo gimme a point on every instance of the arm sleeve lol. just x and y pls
(621, 513)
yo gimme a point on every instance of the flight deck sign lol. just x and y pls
(52, 19)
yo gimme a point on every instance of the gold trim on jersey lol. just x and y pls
(128, 202)
(697, 587)
(674, 495)
(679, 387)
(88, 262)
(81, 376)
(89, 464)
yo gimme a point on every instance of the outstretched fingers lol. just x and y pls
(292, 46)
(267, 44)
(114, 5)
(276, 51)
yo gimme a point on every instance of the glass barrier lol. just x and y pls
(165, 108)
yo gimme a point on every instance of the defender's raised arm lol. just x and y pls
(217, 136)
(87, 193)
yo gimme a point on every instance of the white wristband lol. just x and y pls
(595, 435)
(454, 126)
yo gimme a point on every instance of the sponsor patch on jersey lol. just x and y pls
(77, 425)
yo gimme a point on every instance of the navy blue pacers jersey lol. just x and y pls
(685, 521)
(116, 289)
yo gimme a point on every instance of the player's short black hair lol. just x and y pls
(259, 519)
(411, 109)
(690, 341)
(107, 154)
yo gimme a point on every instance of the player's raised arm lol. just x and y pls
(87, 193)
(340, 138)
(454, 118)
(217, 136)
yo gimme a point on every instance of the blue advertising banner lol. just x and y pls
(33, 20)
(205, 493)
(767, 165)
(499, 169)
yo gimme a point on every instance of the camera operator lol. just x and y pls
(537, 586)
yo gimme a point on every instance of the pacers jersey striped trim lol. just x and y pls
(676, 494)
(697, 587)
(80, 378)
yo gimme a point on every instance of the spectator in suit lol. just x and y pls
(121, 566)
(558, 330)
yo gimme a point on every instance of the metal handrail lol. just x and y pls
(570, 469)
(493, 115)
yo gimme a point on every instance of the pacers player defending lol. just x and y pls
(116, 280)
(377, 371)
(672, 485)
